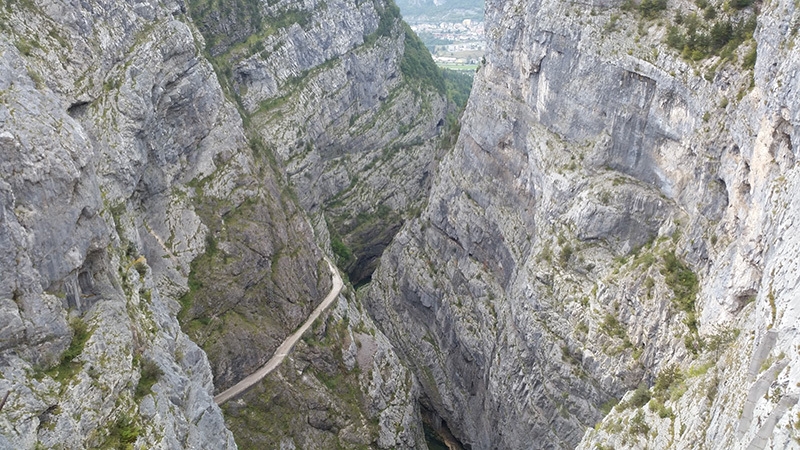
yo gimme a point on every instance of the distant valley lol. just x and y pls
(419, 11)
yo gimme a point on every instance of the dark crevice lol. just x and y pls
(77, 109)
(437, 434)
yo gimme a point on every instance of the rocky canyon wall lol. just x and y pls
(147, 209)
(618, 233)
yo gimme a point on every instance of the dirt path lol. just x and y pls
(285, 347)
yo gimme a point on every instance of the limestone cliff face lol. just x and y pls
(92, 353)
(138, 194)
(344, 104)
(623, 221)
(349, 101)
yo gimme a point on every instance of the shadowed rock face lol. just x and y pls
(600, 229)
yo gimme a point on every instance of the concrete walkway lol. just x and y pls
(286, 346)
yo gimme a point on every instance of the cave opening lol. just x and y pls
(437, 433)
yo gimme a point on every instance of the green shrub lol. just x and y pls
(459, 85)
(150, 373)
(657, 406)
(638, 425)
(749, 60)
(651, 8)
(607, 406)
(80, 334)
(67, 367)
(684, 284)
(675, 38)
(699, 38)
(710, 13)
(123, 433)
(611, 26)
(668, 378)
(721, 34)
(23, 47)
(639, 398)
(566, 254)
(341, 250)
(612, 326)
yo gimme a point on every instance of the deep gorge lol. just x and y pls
(596, 251)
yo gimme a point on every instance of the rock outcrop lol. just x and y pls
(349, 101)
(140, 189)
(92, 354)
(620, 225)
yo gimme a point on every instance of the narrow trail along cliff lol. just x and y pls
(285, 347)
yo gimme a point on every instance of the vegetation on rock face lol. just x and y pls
(698, 38)
(287, 402)
(389, 15)
(150, 374)
(221, 271)
(639, 398)
(651, 8)
(684, 284)
(344, 256)
(247, 274)
(458, 85)
(67, 367)
(714, 29)
(123, 433)
(215, 17)
(417, 64)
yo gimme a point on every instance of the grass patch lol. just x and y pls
(150, 374)
(123, 433)
(641, 396)
(67, 368)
